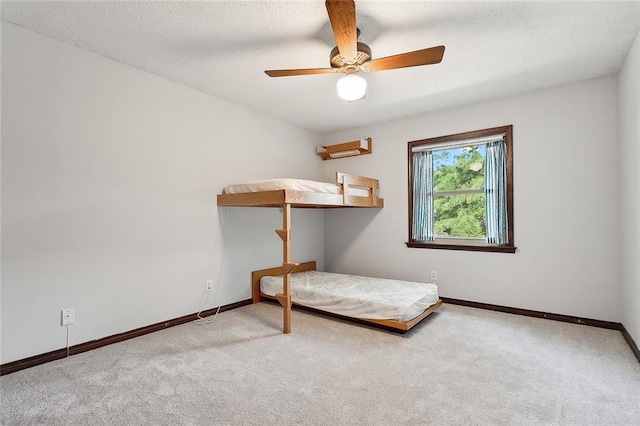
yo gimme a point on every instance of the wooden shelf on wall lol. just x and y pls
(346, 149)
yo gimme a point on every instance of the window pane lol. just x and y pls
(461, 216)
(459, 168)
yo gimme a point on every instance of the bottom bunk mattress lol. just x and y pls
(355, 296)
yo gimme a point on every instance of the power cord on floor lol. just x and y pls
(206, 320)
(67, 325)
(200, 320)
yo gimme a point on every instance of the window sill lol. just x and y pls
(466, 246)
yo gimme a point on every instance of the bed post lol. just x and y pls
(285, 297)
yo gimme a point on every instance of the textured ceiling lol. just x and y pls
(493, 49)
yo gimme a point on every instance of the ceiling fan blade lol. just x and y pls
(342, 15)
(308, 71)
(432, 55)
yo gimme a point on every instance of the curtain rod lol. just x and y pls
(459, 143)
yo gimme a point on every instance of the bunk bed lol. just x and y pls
(348, 191)
(390, 304)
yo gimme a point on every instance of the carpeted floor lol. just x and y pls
(461, 366)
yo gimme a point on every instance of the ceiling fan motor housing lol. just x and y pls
(337, 61)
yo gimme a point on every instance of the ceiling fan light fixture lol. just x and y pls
(352, 87)
(351, 56)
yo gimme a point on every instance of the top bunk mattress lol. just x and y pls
(355, 296)
(291, 184)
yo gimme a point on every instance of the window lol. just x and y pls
(461, 191)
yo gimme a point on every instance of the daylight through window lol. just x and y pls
(461, 191)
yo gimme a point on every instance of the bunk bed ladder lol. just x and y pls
(287, 266)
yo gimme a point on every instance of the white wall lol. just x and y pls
(565, 190)
(0, 183)
(629, 111)
(109, 178)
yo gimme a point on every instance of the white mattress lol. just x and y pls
(355, 296)
(293, 184)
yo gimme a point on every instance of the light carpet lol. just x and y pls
(461, 366)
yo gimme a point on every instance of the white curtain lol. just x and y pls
(422, 227)
(495, 184)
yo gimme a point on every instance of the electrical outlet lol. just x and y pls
(209, 285)
(67, 316)
(434, 275)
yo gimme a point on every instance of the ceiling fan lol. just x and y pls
(351, 56)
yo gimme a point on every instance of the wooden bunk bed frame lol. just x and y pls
(258, 296)
(297, 198)
(286, 199)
